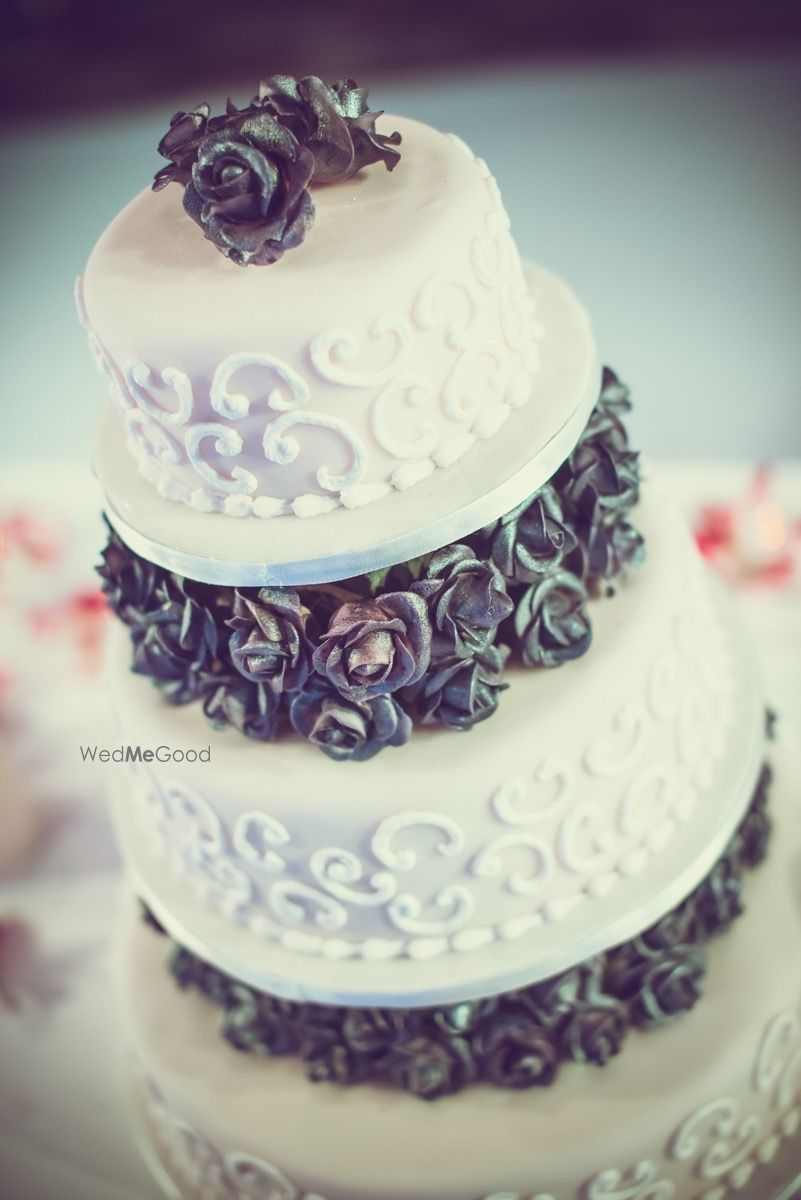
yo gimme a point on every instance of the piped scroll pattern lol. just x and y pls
(254, 874)
(579, 844)
(198, 1168)
(563, 835)
(726, 1140)
(217, 448)
(722, 1143)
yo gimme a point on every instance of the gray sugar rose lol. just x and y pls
(175, 642)
(462, 692)
(268, 643)
(531, 540)
(467, 601)
(551, 621)
(374, 647)
(249, 190)
(344, 728)
(250, 708)
(246, 172)
(332, 121)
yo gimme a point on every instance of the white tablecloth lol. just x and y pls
(64, 1132)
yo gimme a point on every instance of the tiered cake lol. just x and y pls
(441, 790)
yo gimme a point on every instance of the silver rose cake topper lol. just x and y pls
(246, 173)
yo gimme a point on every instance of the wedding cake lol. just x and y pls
(440, 794)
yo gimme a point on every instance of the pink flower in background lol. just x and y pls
(81, 618)
(33, 538)
(752, 540)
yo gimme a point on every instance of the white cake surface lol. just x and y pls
(460, 864)
(490, 478)
(397, 335)
(703, 1109)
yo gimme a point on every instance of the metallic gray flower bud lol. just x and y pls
(551, 621)
(467, 601)
(268, 643)
(373, 647)
(345, 728)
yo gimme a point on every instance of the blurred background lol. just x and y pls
(648, 152)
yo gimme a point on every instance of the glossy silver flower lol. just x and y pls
(531, 540)
(248, 190)
(249, 707)
(176, 643)
(333, 122)
(462, 692)
(375, 646)
(551, 621)
(133, 586)
(268, 643)
(467, 601)
(514, 1051)
(344, 728)
(430, 1066)
(180, 145)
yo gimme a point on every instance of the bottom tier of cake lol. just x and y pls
(698, 1110)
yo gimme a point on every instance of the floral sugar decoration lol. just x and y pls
(246, 174)
(353, 666)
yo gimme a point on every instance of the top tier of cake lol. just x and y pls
(380, 350)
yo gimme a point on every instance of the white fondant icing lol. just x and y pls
(105, 367)
(527, 451)
(406, 911)
(290, 899)
(586, 845)
(641, 1182)
(450, 835)
(284, 450)
(613, 754)
(337, 870)
(227, 442)
(363, 493)
(432, 311)
(139, 379)
(409, 389)
(200, 1166)
(149, 440)
(649, 797)
(452, 450)
(407, 476)
(458, 344)
(490, 422)
(329, 350)
(289, 389)
(313, 506)
(730, 1137)
(254, 835)
(192, 821)
(489, 862)
(508, 801)
(779, 1062)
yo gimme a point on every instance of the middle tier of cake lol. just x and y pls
(595, 800)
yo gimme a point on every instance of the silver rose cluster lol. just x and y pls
(352, 666)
